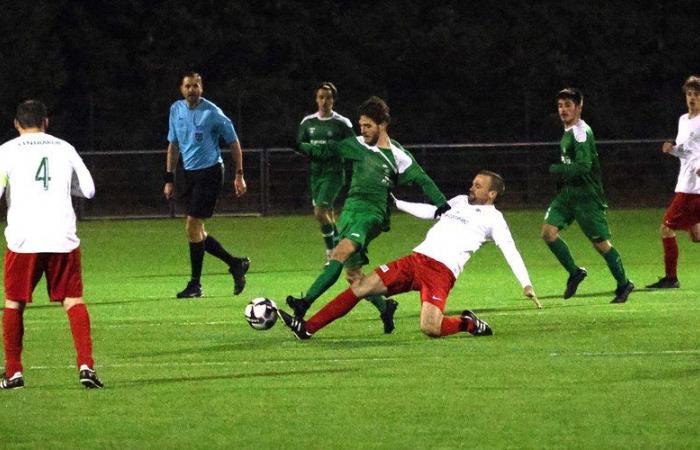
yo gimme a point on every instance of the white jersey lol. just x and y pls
(687, 150)
(39, 173)
(462, 230)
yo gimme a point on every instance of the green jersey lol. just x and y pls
(318, 130)
(579, 168)
(375, 172)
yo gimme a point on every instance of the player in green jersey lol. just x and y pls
(326, 177)
(379, 163)
(580, 198)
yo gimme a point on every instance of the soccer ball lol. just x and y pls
(261, 313)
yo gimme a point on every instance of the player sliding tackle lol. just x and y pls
(379, 163)
(435, 263)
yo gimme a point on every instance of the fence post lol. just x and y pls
(264, 181)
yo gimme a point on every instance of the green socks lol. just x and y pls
(328, 277)
(614, 261)
(328, 232)
(379, 302)
(561, 251)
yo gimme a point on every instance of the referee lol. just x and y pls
(195, 127)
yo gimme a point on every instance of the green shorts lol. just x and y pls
(325, 190)
(588, 212)
(361, 228)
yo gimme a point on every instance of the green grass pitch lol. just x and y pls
(581, 373)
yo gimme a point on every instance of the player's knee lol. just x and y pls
(323, 216)
(430, 330)
(602, 247)
(430, 326)
(665, 231)
(354, 276)
(549, 234)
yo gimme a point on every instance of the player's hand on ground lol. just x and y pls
(529, 292)
(239, 185)
(667, 147)
(168, 190)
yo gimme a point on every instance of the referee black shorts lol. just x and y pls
(201, 189)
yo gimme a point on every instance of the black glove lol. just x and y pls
(441, 210)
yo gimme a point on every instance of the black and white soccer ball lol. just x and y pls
(261, 313)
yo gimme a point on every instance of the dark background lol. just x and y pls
(451, 71)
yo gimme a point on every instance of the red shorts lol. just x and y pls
(24, 270)
(418, 272)
(684, 211)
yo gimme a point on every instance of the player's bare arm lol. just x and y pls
(239, 185)
(529, 292)
(173, 154)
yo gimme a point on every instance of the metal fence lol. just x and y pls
(635, 174)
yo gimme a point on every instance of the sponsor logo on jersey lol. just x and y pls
(384, 268)
(312, 130)
(355, 234)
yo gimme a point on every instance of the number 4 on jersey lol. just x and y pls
(42, 173)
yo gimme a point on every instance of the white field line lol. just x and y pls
(660, 352)
(175, 364)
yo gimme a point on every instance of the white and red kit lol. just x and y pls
(687, 150)
(459, 233)
(684, 211)
(39, 172)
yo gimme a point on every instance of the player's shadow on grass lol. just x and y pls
(586, 295)
(233, 376)
(226, 274)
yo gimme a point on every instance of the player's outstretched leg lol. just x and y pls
(298, 305)
(298, 326)
(474, 325)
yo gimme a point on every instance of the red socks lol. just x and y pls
(12, 333)
(455, 324)
(336, 308)
(80, 327)
(670, 256)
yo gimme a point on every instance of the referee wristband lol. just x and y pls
(169, 177)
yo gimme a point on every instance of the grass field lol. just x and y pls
(581, 373)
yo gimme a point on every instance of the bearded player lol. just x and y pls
(435, 264)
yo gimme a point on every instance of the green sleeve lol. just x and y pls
(301, 134)
(332, 149)
(416, 175)
(581, 165)
(348, 132)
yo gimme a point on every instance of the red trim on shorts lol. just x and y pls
(24, 270)
(418, 272)
(683, 212)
